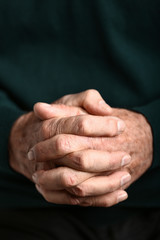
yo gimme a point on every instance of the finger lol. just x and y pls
(83, 125)
(101, 185)
(110, 144)
(57, 197)
(94, 161)
(106, 200)
(60, 178)
(46, 111)
(58, 146)
(62, 197)
(90, 100)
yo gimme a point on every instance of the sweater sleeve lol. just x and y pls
(152, 113)
(9, 112)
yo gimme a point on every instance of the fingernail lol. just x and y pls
(121, 126)
(34, 177)
(125, 160)
(104, 105)
(31, 155)
(121, 197)
(126, 178)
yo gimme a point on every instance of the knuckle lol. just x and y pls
(89, 202)
(82, 125)
(81, 161)
(57, 127)
(66, 180)
(45, 130)
(60, 144)
(91, 92)
(79, 191)
(86, 203)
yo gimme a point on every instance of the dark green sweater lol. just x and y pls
(55, 47)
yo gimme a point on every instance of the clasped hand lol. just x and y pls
(80, 151)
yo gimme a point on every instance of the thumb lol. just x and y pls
(46, 111)
(90, 100)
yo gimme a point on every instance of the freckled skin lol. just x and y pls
(136, 140)
(25, 133)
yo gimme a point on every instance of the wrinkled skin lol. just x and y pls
(29, 129)
(88, 183)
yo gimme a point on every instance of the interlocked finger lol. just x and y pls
(106, 200)
(82, 125)
(60, 178)
(94, 161)
(90, 100)
(100, 185)
(62, 197)
(57, 197)
(46, 111)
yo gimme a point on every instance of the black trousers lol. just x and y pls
(49, 224)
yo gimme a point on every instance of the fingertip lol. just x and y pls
(122, 196)
(100, 108)
(37, 109)
(38, 105)
(43, 110)
(41, 105)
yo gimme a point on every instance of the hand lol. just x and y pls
(45, 179)
(57, 186)
(29, 130)
(136, 140)
(52, 193)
